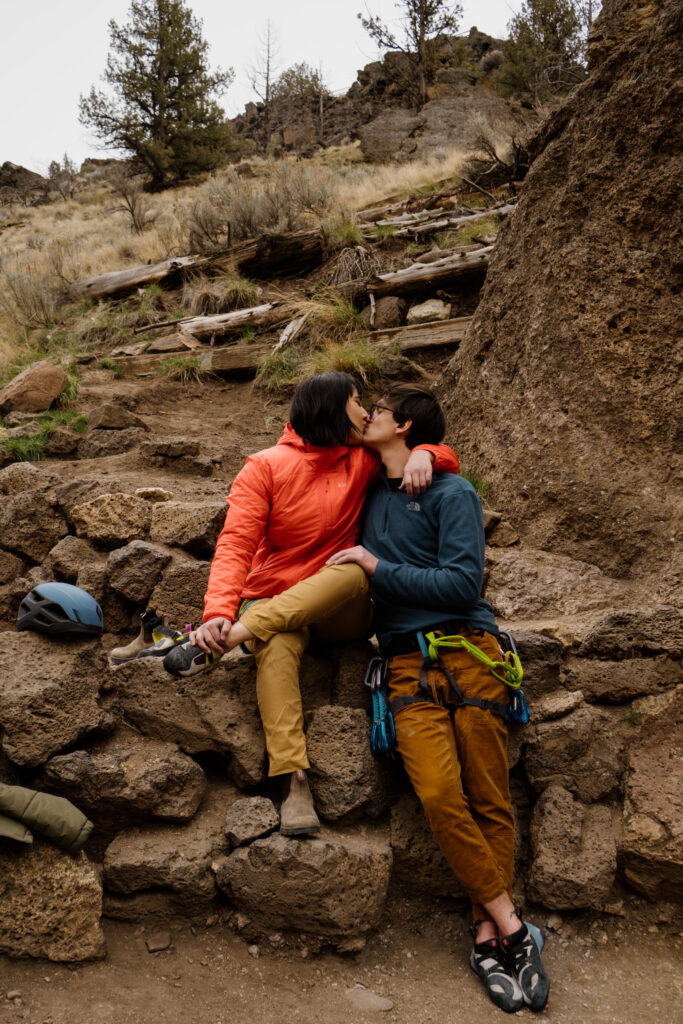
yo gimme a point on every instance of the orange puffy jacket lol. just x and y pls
(289, 509)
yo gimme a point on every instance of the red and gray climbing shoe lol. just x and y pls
(488, 961)
(522, 952)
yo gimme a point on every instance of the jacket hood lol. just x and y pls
(291, 438)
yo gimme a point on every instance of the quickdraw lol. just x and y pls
(383, 734)
(508, 670)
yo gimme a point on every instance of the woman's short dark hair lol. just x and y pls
(318, 409)
(417, 403)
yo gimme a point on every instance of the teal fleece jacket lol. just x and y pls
(431, 557)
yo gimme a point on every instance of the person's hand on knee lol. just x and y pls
(212, 635)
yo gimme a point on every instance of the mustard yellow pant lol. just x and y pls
(336, 604)
(458, 765)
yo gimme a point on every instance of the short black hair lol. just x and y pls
(318, 409)
(417, 403)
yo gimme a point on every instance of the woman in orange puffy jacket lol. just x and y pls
(289, 509)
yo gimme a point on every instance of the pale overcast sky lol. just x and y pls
(51, 51)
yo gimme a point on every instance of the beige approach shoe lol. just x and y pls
(297, 813)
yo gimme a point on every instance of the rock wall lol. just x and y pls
(566, 394)
(173, 772)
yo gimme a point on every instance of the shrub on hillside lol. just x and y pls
(232, 208)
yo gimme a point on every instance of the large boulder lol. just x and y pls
(250, 818)
(115, 609)
(50, 905)
(11, 566)
(581, 427)
(179, 595)
(582, 751)
(99, 444)
(348, 684)
(651, 847)
(386, 135)
(574, 852)
(334, 886)
(191, 525)
(69, 555)
(49, 694)
(541, 658)
(34, 389)
(630, 634)
(127, 777)
(134, 570)
(112, 519)
(528, 584)
(345, 778)
(114, 417)
(616, 682)
(175, 859)
(23, 476)
(216, 710)
(30, 524)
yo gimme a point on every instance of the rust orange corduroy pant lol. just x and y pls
(458, 765)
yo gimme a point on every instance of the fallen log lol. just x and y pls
(222, 325)
(448, 223)
(294, 252)
(440, 334)
(121, 282)
(421, 277)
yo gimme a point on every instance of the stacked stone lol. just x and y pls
(174, 773)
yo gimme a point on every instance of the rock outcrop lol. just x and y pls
(564, 392)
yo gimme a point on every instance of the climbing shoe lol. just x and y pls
(164, 638)
(185, 659)
(522, 952)
(150, 621)
(297, 813)
(488, 961)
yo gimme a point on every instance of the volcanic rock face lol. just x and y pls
(51, 905)
(562, 393)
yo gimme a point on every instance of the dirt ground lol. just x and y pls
(603, 971)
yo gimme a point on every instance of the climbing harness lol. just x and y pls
(508, 670)
(383, 734)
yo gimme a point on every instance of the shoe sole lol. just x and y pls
(303, 831)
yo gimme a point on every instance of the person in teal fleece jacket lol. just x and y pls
(425, 560)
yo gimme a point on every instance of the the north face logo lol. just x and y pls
(414, 506)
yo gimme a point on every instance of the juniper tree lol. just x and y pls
(545, 53)
(161, 106)
(423, 21)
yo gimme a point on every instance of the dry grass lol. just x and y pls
(364, 186)
(205, 296)
(43, 249)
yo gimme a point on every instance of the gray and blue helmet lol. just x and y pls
(60, 609)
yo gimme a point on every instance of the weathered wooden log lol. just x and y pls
(425, 227)
(440, 334)
(121, 282)
(294, 252)
(419, 275)
(267, 256)
(222, 325)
